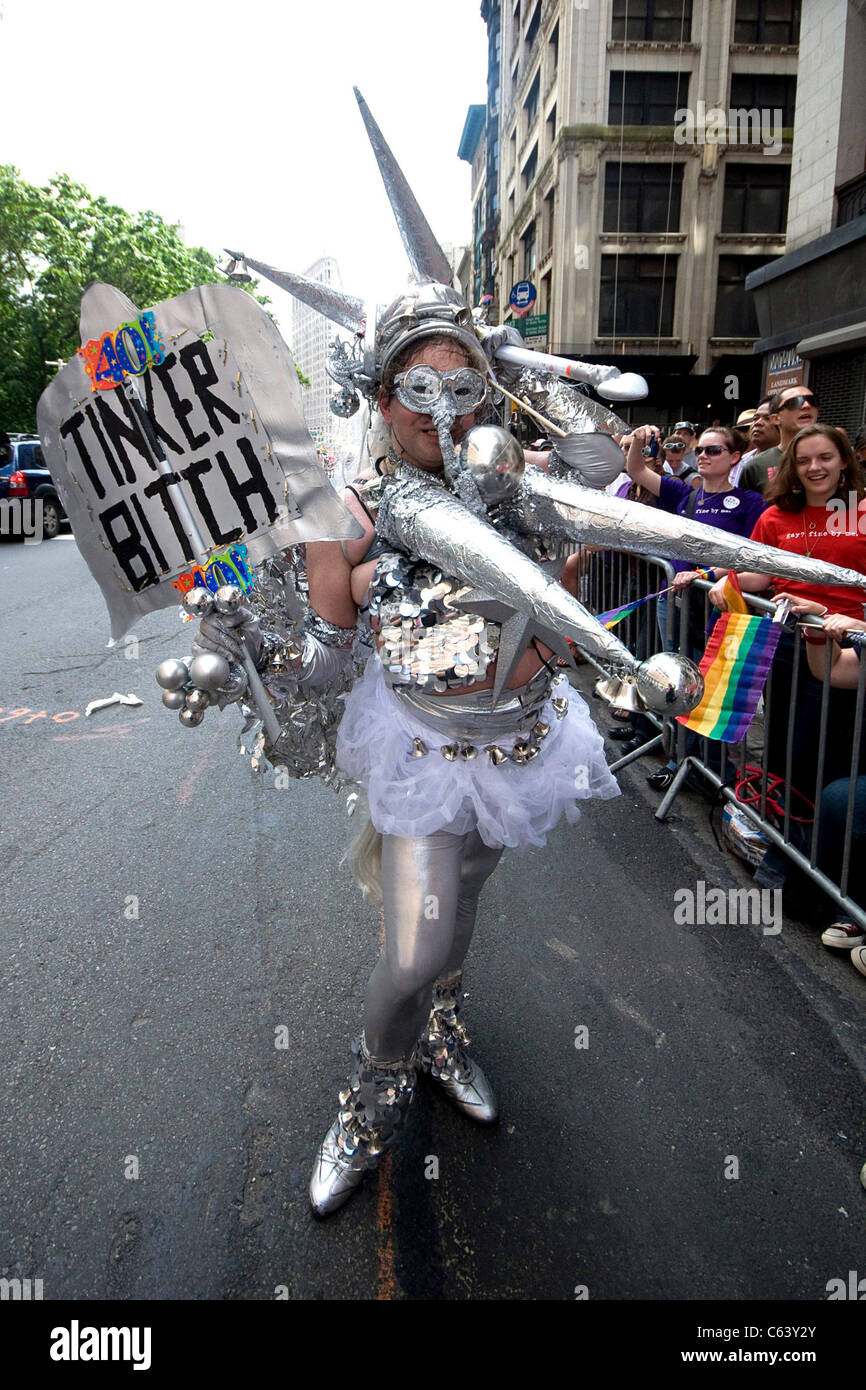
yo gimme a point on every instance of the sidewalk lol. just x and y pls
(826, 979)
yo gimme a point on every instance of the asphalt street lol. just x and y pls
(183, 963)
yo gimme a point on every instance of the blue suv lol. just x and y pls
(24, 476)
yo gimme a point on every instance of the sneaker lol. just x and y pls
(858, 960)
(843, 936)
(623, 731)
(661, 780)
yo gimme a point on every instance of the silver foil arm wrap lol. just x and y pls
(423, 520)
(563, 510)
(309, 665)
(566, 405)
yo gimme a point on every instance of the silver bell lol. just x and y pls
(198, 700)
(174, 699)
(191, 718)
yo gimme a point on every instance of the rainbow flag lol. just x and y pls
(735, 667)
(616, 615)
(612, 616)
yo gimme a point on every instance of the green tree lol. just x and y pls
(53, 242)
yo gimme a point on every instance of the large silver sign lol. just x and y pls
(177, 433)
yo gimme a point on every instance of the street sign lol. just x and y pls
(533, 326)
(522, 297)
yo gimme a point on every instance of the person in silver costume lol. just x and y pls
(464, 736)
(414, 997)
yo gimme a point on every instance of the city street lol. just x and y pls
(183, 963)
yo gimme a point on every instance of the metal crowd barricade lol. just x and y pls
(611, 579)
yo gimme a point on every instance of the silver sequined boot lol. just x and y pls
(373, 1106)
(443, 1056)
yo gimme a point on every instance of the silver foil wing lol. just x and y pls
(556, 509)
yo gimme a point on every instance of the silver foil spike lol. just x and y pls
(424, 520)
(334, 304)
(561, 509)
(426, 257)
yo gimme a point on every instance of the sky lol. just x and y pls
(238, 120)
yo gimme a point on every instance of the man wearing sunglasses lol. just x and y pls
(790, 411)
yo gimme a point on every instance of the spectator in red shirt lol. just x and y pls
(818, 468)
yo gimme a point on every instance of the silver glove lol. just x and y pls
(222, 633)
(501, 336)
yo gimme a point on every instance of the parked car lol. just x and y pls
(24, 475)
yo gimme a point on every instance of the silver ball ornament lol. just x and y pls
(172, 674)
(669, 684)
(209, 672)
(228, 598)
(198, 699)
(344, 403)
(174, 699)
(191, 718)
(495, 460)
(198, 602)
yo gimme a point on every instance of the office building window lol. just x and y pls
(735, 306)
(530, 168)
(662, 20)
(637, 296)
(553, 45)
(642, 197)
(756, 197)
(532, 27)
(551, 124)
(646, 98)
(767, 21)
(529, 259)
(547, 223)
(530, 106)
(544, 297)
(764, 92)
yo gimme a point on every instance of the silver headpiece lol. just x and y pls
(429, 307)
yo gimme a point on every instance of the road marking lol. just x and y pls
(191, 781)
(629, 1011)
(561, 949)
(121, 731)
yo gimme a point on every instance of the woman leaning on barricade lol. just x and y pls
(843, 673)
(816, 500)
(715, 503)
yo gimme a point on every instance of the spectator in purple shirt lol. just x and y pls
(715, 503)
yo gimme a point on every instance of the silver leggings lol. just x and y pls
(430, 889)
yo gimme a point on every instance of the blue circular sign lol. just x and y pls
(523, 296)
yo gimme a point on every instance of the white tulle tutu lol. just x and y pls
(513, 804)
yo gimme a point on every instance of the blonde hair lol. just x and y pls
(365, 855)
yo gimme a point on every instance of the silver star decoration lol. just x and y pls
(518, 630)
